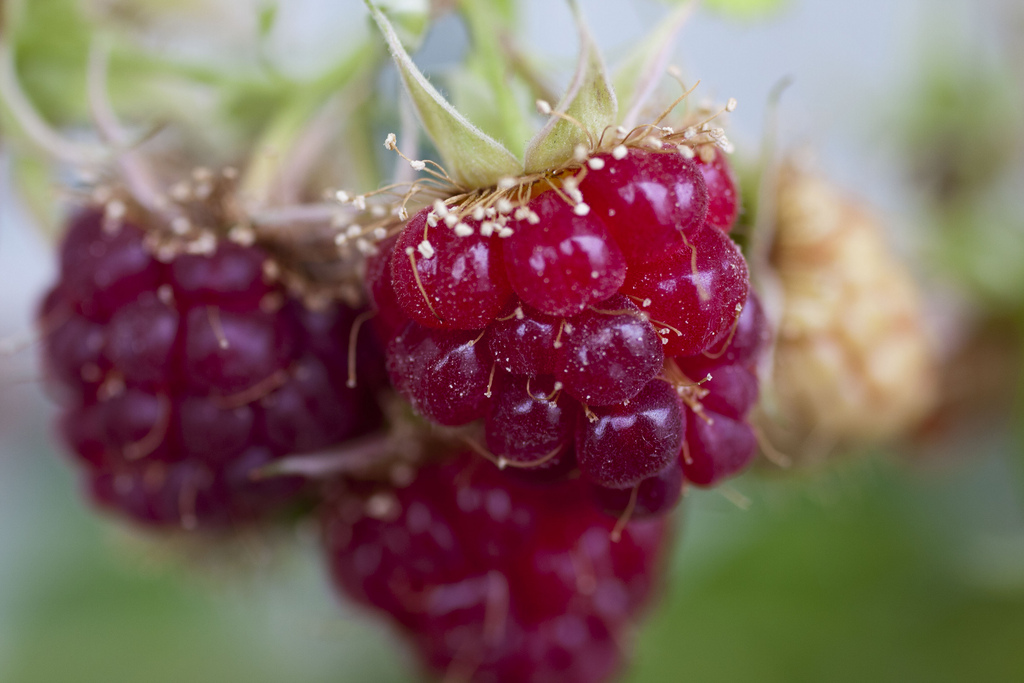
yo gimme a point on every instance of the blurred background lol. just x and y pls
(893, 563)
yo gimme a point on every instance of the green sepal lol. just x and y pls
(590, 100)
(471, 158)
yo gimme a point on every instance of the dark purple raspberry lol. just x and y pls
(629, 443)
(608, 353)
(724, 205)
(649, 200)
(694, 294)
(563, 261)
(183, 380)
(447, 376)
(717, 447)
(445, 280)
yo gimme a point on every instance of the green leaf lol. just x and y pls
(590, 100)
(471, 157)
(640, 72)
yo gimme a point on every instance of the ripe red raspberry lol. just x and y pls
(499, 580)
(608, 276)
(180, 380)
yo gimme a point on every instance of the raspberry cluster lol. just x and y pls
(580, 324)
(181, 378)
(494, 579)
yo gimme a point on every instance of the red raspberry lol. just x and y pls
(583, 333)
(509, 581)
(181, 380)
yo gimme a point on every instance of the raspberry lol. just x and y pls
(649, 200)
(497, 579)
(181, 380)
(724, 204)
(563, 261)
(608, 273)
